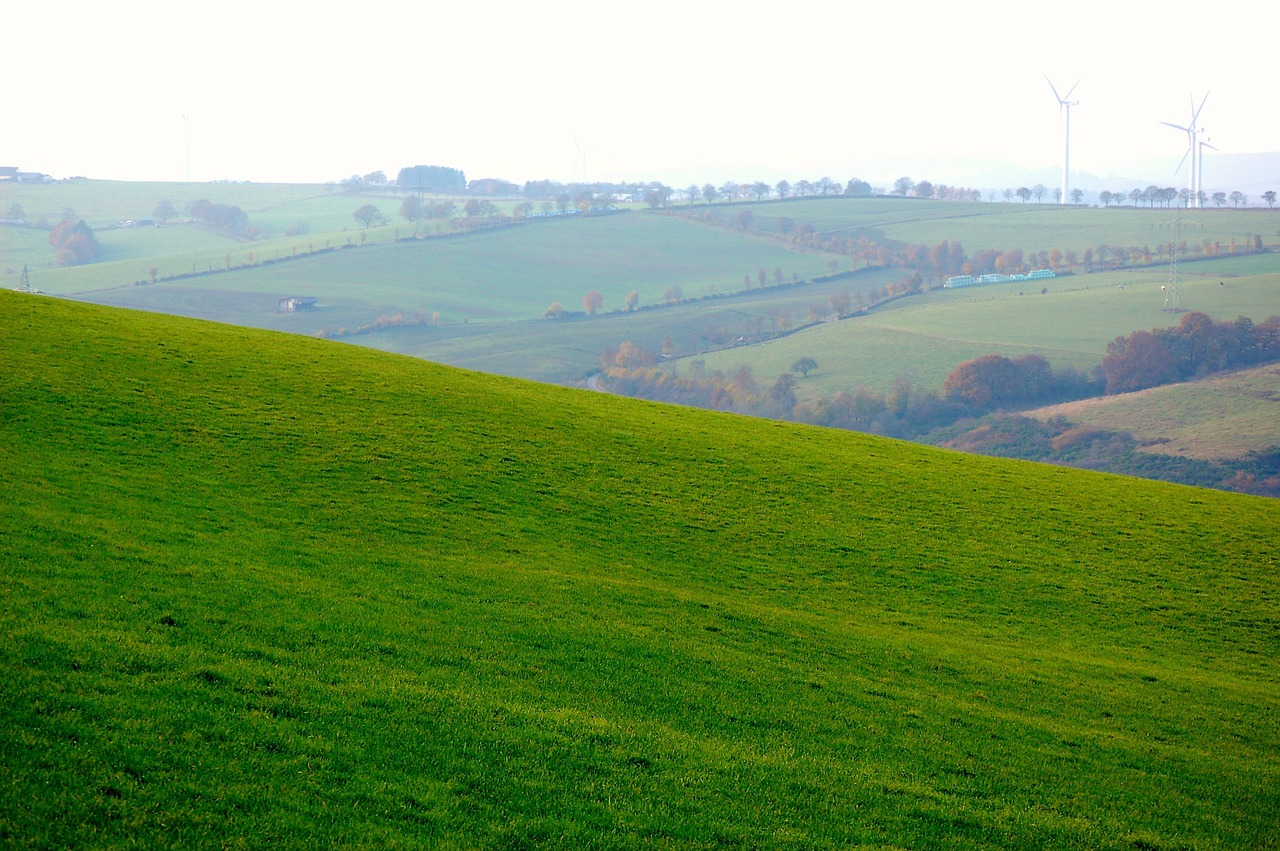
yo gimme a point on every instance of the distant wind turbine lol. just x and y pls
(1064, 109)
(1193, 148)
(1200, 170)
(583, 155)
(186, 121)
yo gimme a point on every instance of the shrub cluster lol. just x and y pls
(221, 216)
(74, 242)
(990, 381)
(1196, 347)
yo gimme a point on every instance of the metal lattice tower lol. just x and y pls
(1173, 289)
(25, 285)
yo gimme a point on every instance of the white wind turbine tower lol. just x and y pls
(1065, 104)
(1193, 149)
(1200, 169)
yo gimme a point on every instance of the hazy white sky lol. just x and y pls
(680, 92)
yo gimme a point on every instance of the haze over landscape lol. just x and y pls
(667, 91)
(587, 503)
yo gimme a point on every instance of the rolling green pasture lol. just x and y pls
(1222, 417)
(564, 351)
(501, 274)
(1031, 227)
(258, 589)
(926, 336)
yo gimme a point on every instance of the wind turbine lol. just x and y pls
(583, 155)
(186, 121)
(1065, 104)
(1200, 170)
(1193, 148)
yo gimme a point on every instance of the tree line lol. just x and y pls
(224, 217)
(1195, 347)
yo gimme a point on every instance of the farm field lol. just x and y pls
(322, 213)
(566, 350)
(477, 300)
(1219, 417)
(259, 588)
(998, 226)
(106, 203)
(924, 337)
(497, 275)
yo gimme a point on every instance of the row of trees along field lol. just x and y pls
(444, 180)
(949, 257)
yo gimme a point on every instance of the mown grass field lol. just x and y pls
(925, 337)
(1224, 416)
(260, 589)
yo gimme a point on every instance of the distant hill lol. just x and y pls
(1224, 416)
(259, 589)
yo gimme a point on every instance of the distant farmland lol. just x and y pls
(926, 336)
(511, 273)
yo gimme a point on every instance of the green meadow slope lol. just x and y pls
(260, 589)
(1221, 417)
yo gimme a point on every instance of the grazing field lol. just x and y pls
(257, 589)
(1222, 417)
(510, 273)
(566, 350)
(924, 337)
(1030, 227)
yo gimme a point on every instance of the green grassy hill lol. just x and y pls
(265, 590)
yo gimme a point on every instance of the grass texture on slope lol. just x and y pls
(261, 589)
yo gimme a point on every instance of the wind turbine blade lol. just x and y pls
(1176, 127)
(1181, 161)
(1053, 88)
(1196, 113)
(1072, 89)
